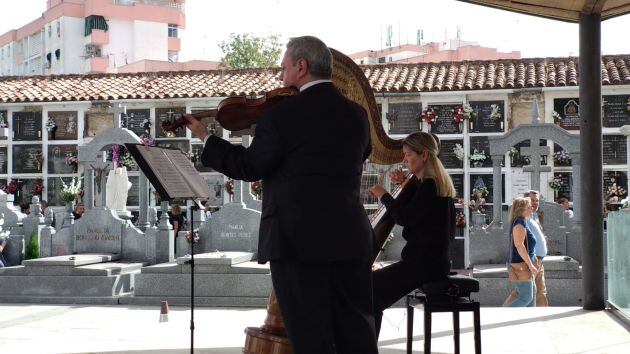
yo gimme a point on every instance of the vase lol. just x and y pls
(4, 132)
(51, 134)
(70, 207)
(477, 163)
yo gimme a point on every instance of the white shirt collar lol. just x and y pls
(312, 83)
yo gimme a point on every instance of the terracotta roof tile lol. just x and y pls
(445, 76)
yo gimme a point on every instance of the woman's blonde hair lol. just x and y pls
(518, 208)
(176, 209)
(420, 142)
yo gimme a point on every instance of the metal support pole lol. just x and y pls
(591, 150)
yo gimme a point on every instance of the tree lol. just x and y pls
(248, 51)
(32, 248)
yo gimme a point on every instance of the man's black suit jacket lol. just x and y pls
(308, 151)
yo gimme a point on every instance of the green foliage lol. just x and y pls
(32, 248)
(245, 50)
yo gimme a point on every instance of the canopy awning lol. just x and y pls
(564, 10)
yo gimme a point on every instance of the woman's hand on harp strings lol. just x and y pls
(377, 191)
(196, 127)
(397, 176)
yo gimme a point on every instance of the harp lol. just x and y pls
(352, 83)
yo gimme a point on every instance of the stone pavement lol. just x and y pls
(26, 328)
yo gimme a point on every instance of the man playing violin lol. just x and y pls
(309, 151)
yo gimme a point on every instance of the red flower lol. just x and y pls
(429, 115)
(229, 187)
(458, 114)
(38, 186)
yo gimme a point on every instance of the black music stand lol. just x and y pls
(174, 177)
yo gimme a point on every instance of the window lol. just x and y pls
(91, 22)
(173, 57)
(172, 30)
(381, 60)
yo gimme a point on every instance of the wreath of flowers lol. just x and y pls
(38, 186)
(615, 191)
(229, 186)
(428, 114)
(257, 189)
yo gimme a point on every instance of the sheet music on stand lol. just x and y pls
(170, 172)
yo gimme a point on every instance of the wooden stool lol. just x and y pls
(452, 295)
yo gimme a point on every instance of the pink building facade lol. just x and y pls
(435, 52)
(93, 36)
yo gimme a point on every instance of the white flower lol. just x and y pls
(458, 150)
(556, 117)
(468, 110)
(496, 112)
(478, 155)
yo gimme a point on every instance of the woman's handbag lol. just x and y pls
(519, 272)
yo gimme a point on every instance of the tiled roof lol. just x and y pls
(446, 76)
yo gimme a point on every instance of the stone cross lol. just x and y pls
(534, 153)
(117, 110)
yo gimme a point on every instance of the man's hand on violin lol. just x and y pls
(377, 191)
(196, 127)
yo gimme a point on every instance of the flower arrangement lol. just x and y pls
(628, 105)
(127, 160)
(460, 219)
(428, 114)
(72, 160)
(479, 192)
(71, 192)
(3, 122)
(478, 156)
(458, 150)
(193, 156)
(555, 183)
(495, 114)
(561, 157)
(229, 186)
(458, 114)
(146, 124)
(146, 141)
(14, 186)
(192, 236)
(38, 187)
(468, 111)
(557, 118)
(257, 189)
(615, 191)
(50, 124)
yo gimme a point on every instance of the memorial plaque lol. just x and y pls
(66, 125)
(616, 111)
(95, 123)
(183, 145)
(195, 156)
(137, 121)
(567, 185)
(59, 159)
(27, 126)
(133, 195)
(448, 156)
(615, 149)
(27, 158)
(213, 126)
(481, 144)
(3, 184)
(169, 115)
(458, 182)
(482, 120)
(404, 117)
(4, 158)
(54, 188)
(444, 122)
(521, 183)
(98, 231)
(215, 184)
(27, 190)
(569, 111)
(615, 185)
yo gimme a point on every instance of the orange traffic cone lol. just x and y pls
(164, 311)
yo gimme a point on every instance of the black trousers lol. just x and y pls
(326, 306)
(392, 283)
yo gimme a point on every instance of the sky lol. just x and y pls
(352, 25)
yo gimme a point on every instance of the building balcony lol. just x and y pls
(99, 37)
(174, 44)
(98, 65)
(173, 4)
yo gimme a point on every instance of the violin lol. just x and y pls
(238, 112)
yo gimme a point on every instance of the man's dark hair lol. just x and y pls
(315, 52)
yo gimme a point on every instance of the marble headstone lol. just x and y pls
(98, 231)
(554, 228)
